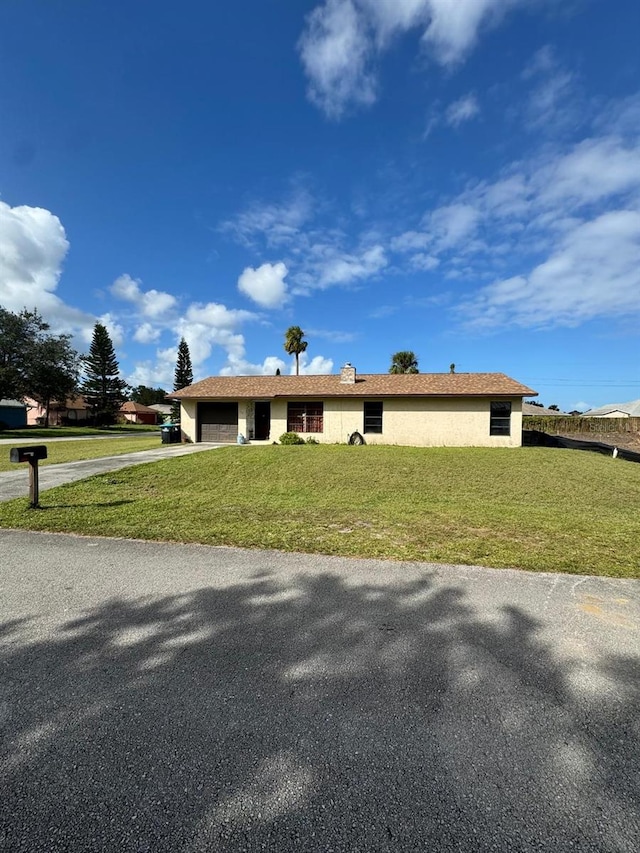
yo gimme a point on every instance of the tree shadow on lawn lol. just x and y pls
(313, 715)
(96, 505)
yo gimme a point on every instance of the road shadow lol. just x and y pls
(316, 715)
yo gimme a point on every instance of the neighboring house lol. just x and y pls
(136, 413)
(423, 409)
(530, 409)
(13, 414)
(163, 409)
(73, 410)
(616, 410)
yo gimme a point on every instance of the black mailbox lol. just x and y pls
(28, 454)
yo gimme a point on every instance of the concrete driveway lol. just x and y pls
(184, 698)
(15, 484)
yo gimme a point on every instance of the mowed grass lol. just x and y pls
(74, 451)
(532, 508)
(74, 432)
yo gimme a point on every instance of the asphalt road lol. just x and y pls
(15, 484)
(184, 698)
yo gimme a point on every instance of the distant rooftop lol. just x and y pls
(632, 409)
(531, 409)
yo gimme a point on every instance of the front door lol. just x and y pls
(263, 421)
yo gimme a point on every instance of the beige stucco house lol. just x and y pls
(423, 409)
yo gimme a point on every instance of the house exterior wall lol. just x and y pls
(188, 426)
(139, 418)
(616, 413)
(410, 421)
(413, 421)
(57, 416)
(13, 416)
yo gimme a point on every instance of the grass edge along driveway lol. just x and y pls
(530, 508)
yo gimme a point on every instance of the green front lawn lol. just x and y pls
(74, 432)
(533, 508)
(74, 451)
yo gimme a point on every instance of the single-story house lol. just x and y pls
(136, 413)
(422, 409)
(540, 411)
(616, 410)
(13, 414)
(73, 410)
(163, 409)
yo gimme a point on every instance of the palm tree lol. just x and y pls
(294, 344)
(404, 362)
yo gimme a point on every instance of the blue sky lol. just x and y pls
(456, 177)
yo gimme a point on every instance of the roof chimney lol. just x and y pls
(348, 375)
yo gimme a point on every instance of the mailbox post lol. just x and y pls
(30, 455)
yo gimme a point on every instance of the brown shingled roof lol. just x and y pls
(130, 407)
(366, 385)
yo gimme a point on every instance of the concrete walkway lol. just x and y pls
(15, 484)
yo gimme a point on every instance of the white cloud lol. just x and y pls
(554, 232)
(213, 324)
(410, 241)
(115, 329)
(462, 110)
(317, 257)
(453, 224)
(594, 272)
(552, 101)
(335, 337)
(383, 311)
(423, 261)
(150, 303)
(146, 334)
(343, 39)
(318, 364)
(335, 50)
(239, 366)
(594, 170)
(278, 223)
(154, 375)
(265, 285)
(33, 246)
(327, 265)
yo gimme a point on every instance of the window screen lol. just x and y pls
(500, 423)
(373, 417)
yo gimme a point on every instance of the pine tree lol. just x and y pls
(182, 377)
(103, 388)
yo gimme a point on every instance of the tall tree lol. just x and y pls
(294, 344)
(148, 396)
(103, 388)
(183, 375)
(404, 361)
(53, 372)
(19, 334)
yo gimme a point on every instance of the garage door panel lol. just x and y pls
(218, 432)
(218, 422)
